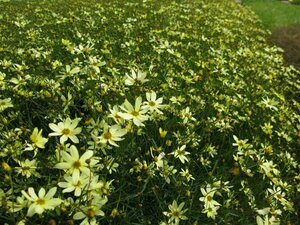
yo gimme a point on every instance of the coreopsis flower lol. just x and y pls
(269, 103)
(158, 160)
(208, 195)
(267, 221)
(111, 134)
(186, 174)
(38, 141)
(5, 103)
(136, 78)
(74, 184)
(181, 154)
(186, 115)
(69, 72)
(152, 103)
(101, 187)
(269, 168)
(211, 212)
(89, 213)
(73, 163)
(42, 201)
(95, 63)
(176, 213)
(114, 113)
(136, 113)
(167, 171)
(240, 144)
(27, 168)
(21, 203)
(66, 129)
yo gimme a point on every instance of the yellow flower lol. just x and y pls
(74, 184)
(66, 129)
(136, 113)
(153, 103)
(162, 133)
(5, 103)
(27, 168)
(136, 78)
(74, 163)
(37, 139)
(111, 134)
(181, 154)
(42, 201)
(176, 213)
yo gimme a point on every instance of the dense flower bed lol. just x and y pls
(145, 112)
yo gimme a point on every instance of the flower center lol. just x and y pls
(137, 81)
(176, 213)
(77, 164)
(209, 198)
(25, 168)
(279, 196)
(152, 103)
(107, 135)
(78, 184)
(66, 131)
(135, 113)
(91, 213)
(40, 201)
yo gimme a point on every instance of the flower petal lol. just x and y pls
(32, 193)
(41, 193)
(88, 154)
(51, 193)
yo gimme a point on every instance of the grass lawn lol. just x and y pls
(275, 14)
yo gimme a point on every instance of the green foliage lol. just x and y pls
(296, 2)
(145, 112)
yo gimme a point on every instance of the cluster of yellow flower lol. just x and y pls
(144, 112)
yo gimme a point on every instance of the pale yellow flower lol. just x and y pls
(136, 113)
(181, 153)
(88, 213)
(208, 195)
(74, 184)
(136, 78)
(73, 163)
(66, 129)
(153, 103)
(267, 221)
(176, 213)
(111, 134)
(27, 168)
(5, 103)
(42, 201)
(38, 141)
